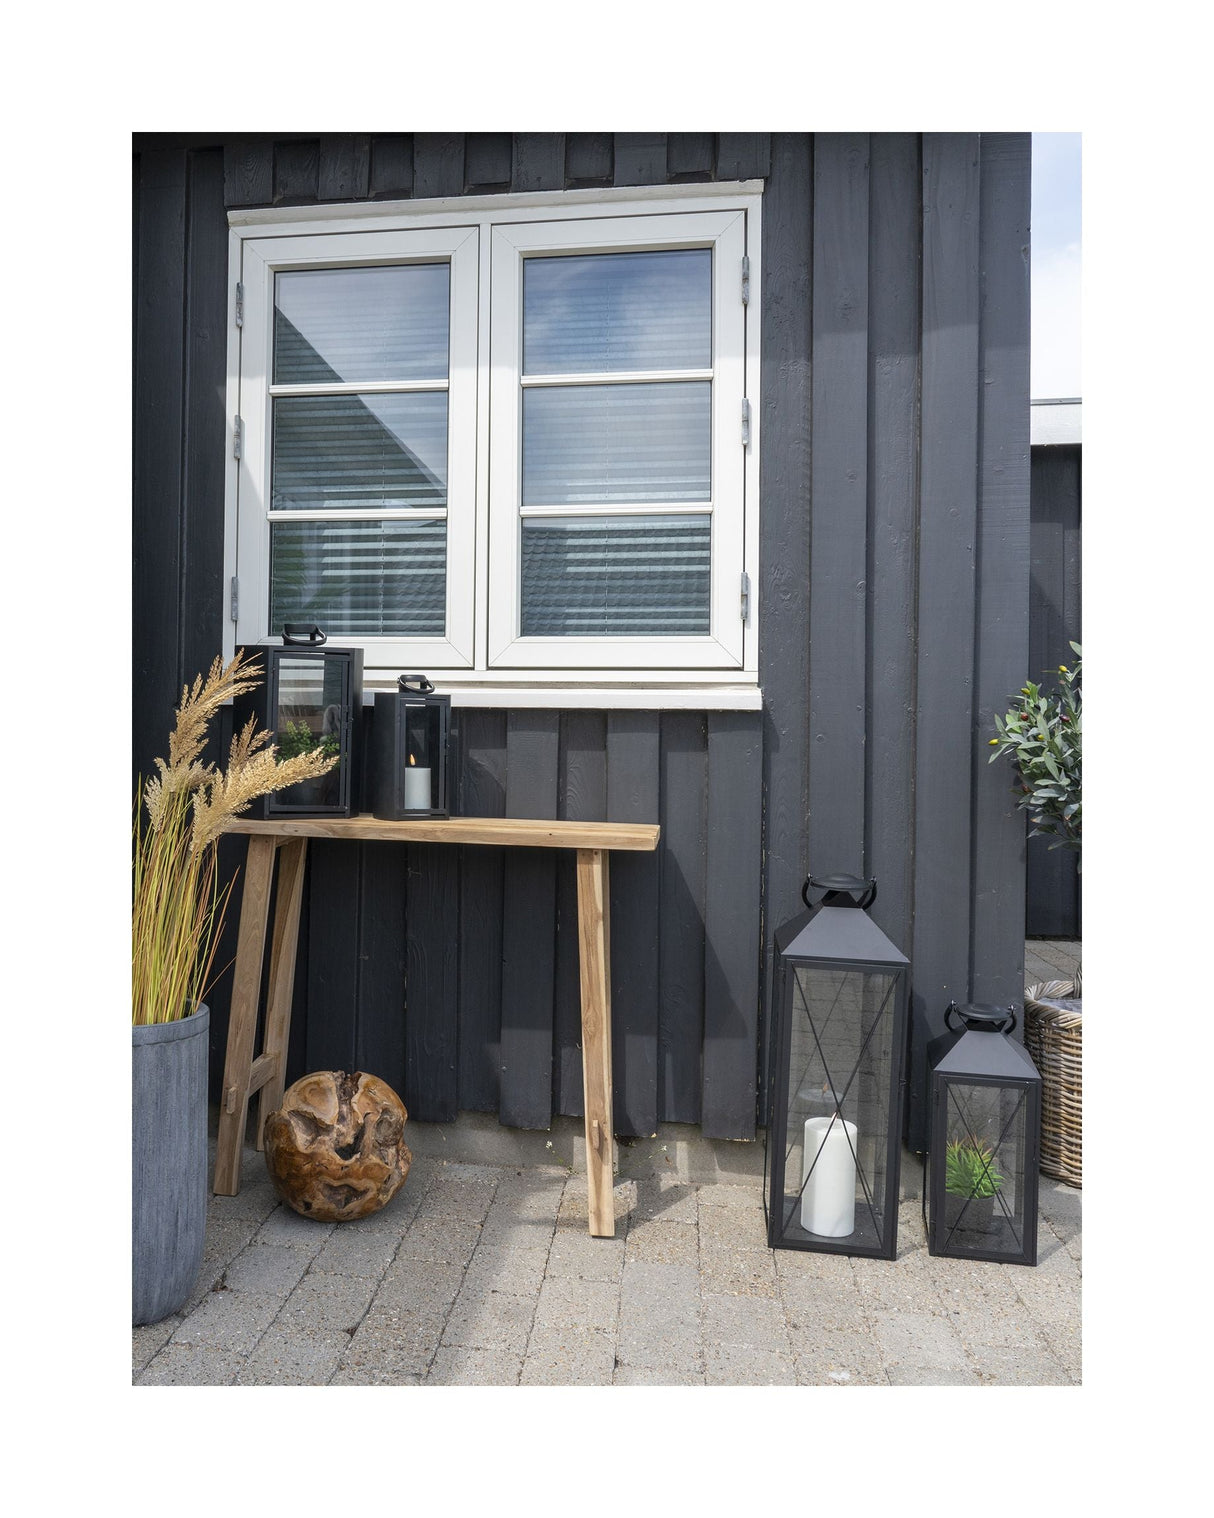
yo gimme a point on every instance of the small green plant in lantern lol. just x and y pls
(969, 1169)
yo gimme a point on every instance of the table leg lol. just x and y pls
(283, 944)
(594, 954)
(242, 1025)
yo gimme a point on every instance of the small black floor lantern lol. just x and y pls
(985, 1145)
(410, 740)
(837, 1079)
(313, 699)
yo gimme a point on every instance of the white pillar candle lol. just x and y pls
(828, 1201)
(417, 788)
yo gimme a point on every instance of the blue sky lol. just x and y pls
(1056, 245)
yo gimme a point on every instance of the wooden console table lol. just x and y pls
(285, 840)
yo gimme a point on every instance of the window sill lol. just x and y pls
(584, 697)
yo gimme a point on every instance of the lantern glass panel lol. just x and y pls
(985, 1189)
(841, 1047)
(422, 757)
(311, 696)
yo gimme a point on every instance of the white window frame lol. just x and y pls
(482, 660)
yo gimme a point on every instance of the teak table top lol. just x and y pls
(502, 831)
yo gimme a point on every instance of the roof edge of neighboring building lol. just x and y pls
(1055, 421)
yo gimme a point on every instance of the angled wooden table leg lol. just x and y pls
(283, 943)
(594, 955)
(242, 1026)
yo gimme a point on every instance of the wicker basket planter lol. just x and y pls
(1053, 1036)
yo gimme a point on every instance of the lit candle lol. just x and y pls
(417, 788)
(828, 1201)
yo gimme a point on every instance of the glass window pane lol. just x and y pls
(618, 311)
(610, 444)
(364, 451)
(627, 576)
(360, 579)
(353, 325)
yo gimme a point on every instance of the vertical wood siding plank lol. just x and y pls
(947, 534)
(731, 925)
(744, 155)
(838, 592)
(431, 987)
(345, 166)
(683, 819)
(248, 171)
(380, 1034)
(296, 166)
(487, 160)
(1001, 612)
(689, 156)
(589, 159)
(539, 161)
(207, 324)
(528, 927)
(582, 798)
(893, 475)
(481, 750)
(640, 158)
(784, 473)
(157, 456)
(333, 909)
(392, 166)
(633, 796)
(438, 164)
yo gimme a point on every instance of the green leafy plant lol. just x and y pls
(298, 738)
(1042, 735)
(178, 906)
(969, 1169)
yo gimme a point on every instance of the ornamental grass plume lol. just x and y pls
(178, 908)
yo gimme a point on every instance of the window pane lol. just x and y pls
(360, 579)
(616, 311)
(333, 325)
(617, 443)
(628, 576)
(366, 451)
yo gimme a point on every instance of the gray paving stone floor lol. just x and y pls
(481, 1274)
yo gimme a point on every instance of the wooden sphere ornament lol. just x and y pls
(335, 1148)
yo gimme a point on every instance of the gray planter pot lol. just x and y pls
(168, 1163)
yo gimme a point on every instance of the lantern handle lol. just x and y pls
(835, 885)
(419, 683)
(303, 635)
(981, 1018)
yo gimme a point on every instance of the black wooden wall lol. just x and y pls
(894, 592)
(1052, 903)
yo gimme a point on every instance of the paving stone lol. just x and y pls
(271, 1269)
(490, 1320)
(420, 1285)
(575, 1253)
(254, 1202)
(1014, 1367)
(502, 1227)
(917, 1339)
(223, 1243)
(575, 1205)
(455, 1365)
(744, 1273)
(919, 1375)
(745, 1322)
(293, 1358)
(391, 1220)
(330, 1303)
(150, 1338)
(729, 1229)
(801, 1265)
(501, 1267)
(192, 1365)
(233, 1320)
(666, 1198)
(451, 1239)
(663, 1243)
(531, 1199)
(568, 1357)
(567, 1304)
(733, 1365)
(657, 1375)
(356, 1254)
(452, 1196)
(720, 1194)
(660, 1316)
(390, 1339)
(386, 1371)
(284, 1226)
(826, 1357)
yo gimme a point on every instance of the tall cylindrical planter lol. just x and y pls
(168, 1162)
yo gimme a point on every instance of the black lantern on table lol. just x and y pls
(313, 699)
(985, 1147)
(409, 747)
(837, 1080)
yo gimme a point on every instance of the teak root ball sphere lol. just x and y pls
(335, 1148)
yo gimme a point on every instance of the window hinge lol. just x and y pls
(235, 587)
(745, 596)
(240, 305)
(237, 428)
(745, 280)
(745, 422)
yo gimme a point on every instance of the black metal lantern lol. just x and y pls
(837, 1079)
(985, 1147)
(409, 748)
(312, 699)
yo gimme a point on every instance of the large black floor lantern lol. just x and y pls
(985, 1145)
(837, 1078)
